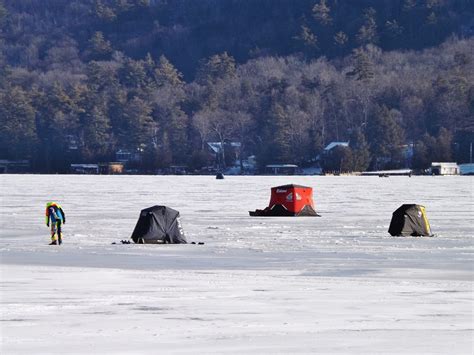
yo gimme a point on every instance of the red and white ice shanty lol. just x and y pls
(289, 200)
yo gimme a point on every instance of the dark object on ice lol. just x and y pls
(198, 243)
(125, 241)
(410, 220)
(219, 176)
(158, 225)
(384, 175)
(53, 243)
(289, 200)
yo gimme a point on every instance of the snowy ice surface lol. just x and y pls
(338, 284)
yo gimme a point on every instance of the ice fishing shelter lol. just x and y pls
(157, 225)
(410, 220)
(289, 200)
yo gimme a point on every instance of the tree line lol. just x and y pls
(70, 94)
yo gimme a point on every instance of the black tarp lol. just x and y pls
(158, 224)
(409, 220)
(281, 211)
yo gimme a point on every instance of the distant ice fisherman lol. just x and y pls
(56, 217)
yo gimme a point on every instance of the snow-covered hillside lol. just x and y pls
(338, 284)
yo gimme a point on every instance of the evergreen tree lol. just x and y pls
(386, 138)
(99, 47)
(219, 66)
(149, 67)
(100, 76)
(363, 66)
(444, 142)
(433, 4)
(308, 38)
(339, 160)
(341, 39)
(133, 74)
(166, 73)
(410, 17)
(393, 29)
(3, 15)
(277, 144)
(431, 19)
(409, 5)
(433, 149)
(139, 123)
(360, 151)
(104, 12)
(17, 124)
(175, 126)
(322, 13)
(421, 158)
(368, 31)
(56, 119)
(96, 134)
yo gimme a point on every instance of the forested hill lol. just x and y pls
(80, 79)
(185, 31)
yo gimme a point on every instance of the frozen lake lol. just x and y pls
(338, 284)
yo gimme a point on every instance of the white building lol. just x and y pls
(444, 168)
(281, 169)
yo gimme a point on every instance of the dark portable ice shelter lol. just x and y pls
(158, 224)
(410, 220)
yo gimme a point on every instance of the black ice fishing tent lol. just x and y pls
(158, 224)
(410, 220)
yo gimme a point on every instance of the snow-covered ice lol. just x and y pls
(338, 284)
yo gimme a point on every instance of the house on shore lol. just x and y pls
(281, 169)
(84, 169)
(14, 166)
(438, 168)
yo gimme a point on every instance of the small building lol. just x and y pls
(72, 142)
(444, 168)
(84, 168)
(123, 155)
(177, 170)
(281, 169)
(219, 152)
(327, 150)
(14, 166)
(126, 156)
(466, 169)
(111, 168)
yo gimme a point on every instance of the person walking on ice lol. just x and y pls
(55, 215)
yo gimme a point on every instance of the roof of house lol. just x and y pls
(445, 164)
(335, 144)
(281, 166)
(217, 146)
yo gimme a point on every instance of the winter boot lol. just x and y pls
(53, 243)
